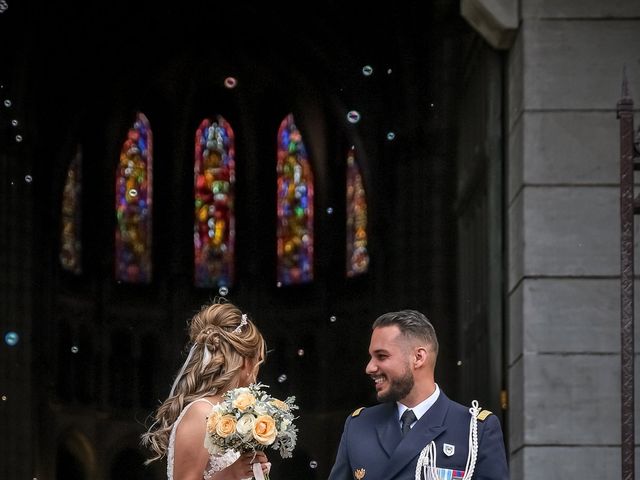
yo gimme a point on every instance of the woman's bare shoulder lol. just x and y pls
(197, 409)
(202, 406)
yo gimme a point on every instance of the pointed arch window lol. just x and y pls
(357, 253)
(294, 207)
(71, 217)
(214, 191)
(134, 204)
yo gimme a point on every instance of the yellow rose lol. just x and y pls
(264, 430)
(212, 421)
(280, 405)
(243, 401)
(226, 426)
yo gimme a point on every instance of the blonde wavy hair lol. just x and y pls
(230, 337)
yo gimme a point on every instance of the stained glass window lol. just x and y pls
(134, 204)
(71, 224)
(214, 181)
(295, 207)
(357, 254)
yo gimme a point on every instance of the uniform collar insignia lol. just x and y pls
(448, 449)
(359, 473)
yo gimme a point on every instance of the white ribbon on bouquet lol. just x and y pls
(257, 471)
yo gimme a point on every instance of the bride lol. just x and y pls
(226, 352)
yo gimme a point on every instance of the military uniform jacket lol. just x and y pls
(372, 446)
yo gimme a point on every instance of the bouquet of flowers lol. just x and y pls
(249, 419)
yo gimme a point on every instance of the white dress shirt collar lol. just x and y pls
(422, 407)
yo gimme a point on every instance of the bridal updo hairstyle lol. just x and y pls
(221, 337)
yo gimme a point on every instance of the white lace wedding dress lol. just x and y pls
(216, 462)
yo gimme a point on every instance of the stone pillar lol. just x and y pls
(564, 75)
(564, 72)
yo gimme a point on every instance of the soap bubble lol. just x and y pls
(11, 338)
(230, 82)
(353, 116)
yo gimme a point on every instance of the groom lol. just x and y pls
(385, 442)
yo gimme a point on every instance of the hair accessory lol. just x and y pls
(243, 322)
(184, 366)
(206, 357)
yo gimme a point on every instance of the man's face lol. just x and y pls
(389, 366)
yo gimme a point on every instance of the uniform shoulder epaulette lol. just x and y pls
(357, 411)
(482, 416)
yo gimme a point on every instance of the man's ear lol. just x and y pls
(420, 356)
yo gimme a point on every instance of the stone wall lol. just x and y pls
(564, 74)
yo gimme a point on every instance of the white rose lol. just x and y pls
(245, 425)
(241, 391)
(261, 408)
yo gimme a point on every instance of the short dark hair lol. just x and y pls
(412, 324)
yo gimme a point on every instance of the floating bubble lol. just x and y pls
(28, 178)
(14, 123)
(74, 349)
(367, 70)
(223, 291)
(389, 71)
(330, 210)
(282, 378)
(278, 284)
(313, 464)
(4, 398)
(11, 338)
(18, 138)
(7, 103)
(230, 82)
(391, 136)
(459, 363)
(301, 352)
(353, 116)
(431, 105)
(332, 318)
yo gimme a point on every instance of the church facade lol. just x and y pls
(486, 138)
